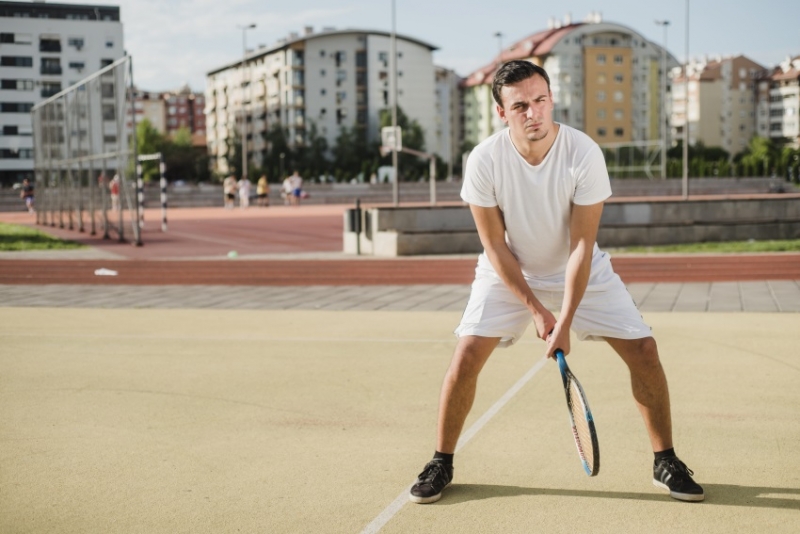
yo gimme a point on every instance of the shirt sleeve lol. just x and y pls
(592, 184)
(478, 186)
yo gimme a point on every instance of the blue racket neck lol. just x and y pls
(562, 366)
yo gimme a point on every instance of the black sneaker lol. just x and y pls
(672, 475)
(430, 483)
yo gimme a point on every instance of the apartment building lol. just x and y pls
(605, 78)
(721, 102)
(449, 116)
(170, 111)
(45, 48)
(333, 79)
(778, 103)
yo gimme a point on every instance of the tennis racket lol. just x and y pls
(581, 418)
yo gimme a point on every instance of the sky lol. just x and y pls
(174, 42)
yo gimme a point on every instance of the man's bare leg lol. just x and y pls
(459, 386)
(649, 385)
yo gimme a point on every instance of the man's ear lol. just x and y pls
(501, 112)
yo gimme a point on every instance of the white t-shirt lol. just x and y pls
(536, 200)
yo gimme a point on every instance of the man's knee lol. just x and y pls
(470, 356)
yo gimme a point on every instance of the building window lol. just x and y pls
(15, 107)
(618, 114)
(76, 42)
(618, 96)
(618, 78)
(18, 85)
(619, 132)
(601, 78)
(109, 42)
(601, 59)
(601, 96)
(618, 60)
(601, 113)
(16, 61)
(601, 132)
(77, 65)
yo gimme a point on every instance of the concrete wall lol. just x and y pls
(447, 230)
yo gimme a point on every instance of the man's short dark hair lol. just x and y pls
(513, 72)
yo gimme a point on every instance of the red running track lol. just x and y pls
(403, 271)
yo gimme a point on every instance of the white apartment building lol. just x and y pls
(778, 103)
(449, 116)
(605, 78)
(722, 102)
(45, 48)
(332, 79)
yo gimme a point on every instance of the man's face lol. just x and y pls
(527, 108)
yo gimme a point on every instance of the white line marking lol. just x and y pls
(390, 511)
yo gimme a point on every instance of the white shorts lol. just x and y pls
(494, 311)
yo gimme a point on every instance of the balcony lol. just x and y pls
(53, 70)
(50, 91)
(49, 45)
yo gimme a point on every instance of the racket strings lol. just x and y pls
(583, 434)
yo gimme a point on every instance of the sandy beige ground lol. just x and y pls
(295, 421)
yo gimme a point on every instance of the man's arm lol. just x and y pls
(492, 230)
(583, 225)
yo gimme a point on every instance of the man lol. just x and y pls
(27, 195)
(229, 191)
(536, 192)
(296, 182)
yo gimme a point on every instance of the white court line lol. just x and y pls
(232, 337)
(390, 511)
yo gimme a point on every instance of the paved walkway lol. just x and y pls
(758, 296)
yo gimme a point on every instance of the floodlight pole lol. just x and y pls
(664, 24)
(685, 188)
(244, 110)
(393, 66)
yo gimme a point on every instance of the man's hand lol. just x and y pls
(544, 322)
(557, 339)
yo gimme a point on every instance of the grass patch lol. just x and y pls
(17, 237)
(788, 245)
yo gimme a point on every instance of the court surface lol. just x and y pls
(176, 420)
(200, 394)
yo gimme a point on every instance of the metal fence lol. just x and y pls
(84, 162)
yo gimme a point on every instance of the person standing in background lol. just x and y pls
(262, 191)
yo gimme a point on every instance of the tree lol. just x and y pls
(315, 153)
(277, 143)
(760, 158)
(149, 141)
(351, 150)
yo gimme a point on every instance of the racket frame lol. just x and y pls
(568, 378)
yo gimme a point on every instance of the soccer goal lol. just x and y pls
(84, 162)
(635, 159)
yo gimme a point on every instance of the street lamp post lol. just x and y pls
(664, 24)
(244, 110)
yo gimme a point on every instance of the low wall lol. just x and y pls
(406, 231)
